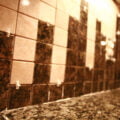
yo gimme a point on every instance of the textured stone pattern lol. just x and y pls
(6, 54)
(75, 74)
(101, 106)
(117, 53)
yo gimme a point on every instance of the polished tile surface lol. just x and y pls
(22, 72)
(19, 98)
(8, 20)
(45, 32)
(40, 94)
(10, 3)
(41, 74)
(27, 26)
(24, 49)
(6, 45)
(33, 9)
(43, 53)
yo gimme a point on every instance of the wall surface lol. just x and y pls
(56, 49)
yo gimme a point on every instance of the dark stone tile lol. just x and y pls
(71, 57)
(111, 85)
(6, 45)
(118, 24)
(20, 97)
(87, 87)
(70, 74)
(82, 44)
(78, 89)
(80, 59)
(83, 16)
(99, 56)
(106, 85)
(95, 87)
(101, 86)
(41, 73)
(110, 74)
(117, 84)
(5, 71)
(80, 75)
(55, 92)
(88, 74)
(73, 33)
(43, 53)
(4, 100)
(40, 94)
(98, 75)
(69, 90)
(45, 32)
(98, 26)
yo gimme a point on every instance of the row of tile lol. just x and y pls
(53, 16)
(37, 94)
(35, 6)
(26, 71)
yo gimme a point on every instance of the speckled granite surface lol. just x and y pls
(100, 106)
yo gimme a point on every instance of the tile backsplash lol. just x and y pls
(56, 49)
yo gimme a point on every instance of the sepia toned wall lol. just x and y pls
(53, 49)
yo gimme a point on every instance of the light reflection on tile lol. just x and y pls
(33, 9)
(47, 13)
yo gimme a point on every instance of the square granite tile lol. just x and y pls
(43, 53)
(98, 26)
(95, 87)
(101, 83)
(41, 74)
(71, 57)
(4, 100)
(73, 30)
(82, 43)
(69, 90)
(117, 84)
(19, 97)
(99, 56)
(45, 32)
(87, 87)
(78, 89)
(40, 94)
(82, 33)
(70, 74)
(106, 85)
(5, 71)
(83, 16)
(55, 92)
(98, 75)
(88, 74)
(80, 58)
(80, 75)
(6, 45)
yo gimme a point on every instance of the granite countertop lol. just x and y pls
(100, 106)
